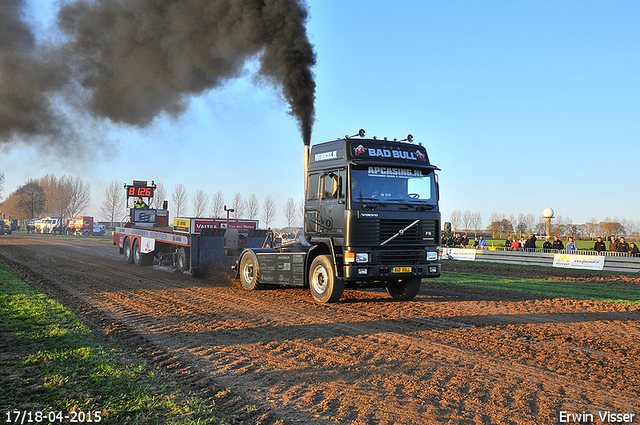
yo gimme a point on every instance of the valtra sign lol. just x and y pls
(195, 226)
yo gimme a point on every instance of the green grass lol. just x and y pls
(50, 361)
(578, 290)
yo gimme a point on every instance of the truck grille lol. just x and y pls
(373, 232)
(401, 257)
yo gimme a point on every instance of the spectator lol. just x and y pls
(530, 244)
(613, 244)
(623, 246)
(546, 246)
(599, 246)
(482, 244)
(476, 242)
(507, 243)
(557, 244)
(572, 248)
(634, 250)
(522, 242)
(515, 245)
(464, 241)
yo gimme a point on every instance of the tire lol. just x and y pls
(128, 253)
(249, 272)
(140, 258)
(324, 286)
(406, 289)
(182, 260)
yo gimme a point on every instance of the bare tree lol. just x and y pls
(217, 204)
(476, 222)
(1, 183)
(455, 219)
(32, 198)
(300, 212)
(79, 195)
(113, 204)
(268, 211)
(200, 201)
(179, 199)
(66, 196)
(290, 212)
(253, 207)
(238, 205)
(160, 195)
(467, 220)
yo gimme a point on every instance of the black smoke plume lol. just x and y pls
(130, 60)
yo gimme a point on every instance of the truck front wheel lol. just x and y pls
(406, 289)
(324, 286)
(249, 269)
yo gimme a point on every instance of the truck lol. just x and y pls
(80, 225)
(371, 220)
(83, 225)
(187, 245)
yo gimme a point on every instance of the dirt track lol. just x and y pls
(453, 355)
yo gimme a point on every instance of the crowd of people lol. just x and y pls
(529, 244)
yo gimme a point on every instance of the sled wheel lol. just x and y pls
(182, 260)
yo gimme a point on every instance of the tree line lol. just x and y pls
(48, 196)
(200, 204)
(500, 225)
(67, 196)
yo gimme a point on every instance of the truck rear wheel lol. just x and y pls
(324, 286)
(128, 253)
(249, 269)
(406, 289)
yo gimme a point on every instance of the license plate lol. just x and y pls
(401, 270)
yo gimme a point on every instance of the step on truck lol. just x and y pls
(186, 246)
(371, 219)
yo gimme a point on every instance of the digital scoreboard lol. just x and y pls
(137, 191)
(139, 188)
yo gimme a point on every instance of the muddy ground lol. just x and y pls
(454, 355)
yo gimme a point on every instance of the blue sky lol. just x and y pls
(523, 105)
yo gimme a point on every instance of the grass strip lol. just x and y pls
(578, 290)
(51, 362)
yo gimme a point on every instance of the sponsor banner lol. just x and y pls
(394, 172)
(575, 261)
(367, 150)
(195, 226)
(459, 254)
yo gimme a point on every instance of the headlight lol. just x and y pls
(350, 257)
(432, 256)
(362, 258)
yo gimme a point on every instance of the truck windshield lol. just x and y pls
(393, 184)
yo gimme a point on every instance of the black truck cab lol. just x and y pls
(371, 220)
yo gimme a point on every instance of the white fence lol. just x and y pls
(613, 261)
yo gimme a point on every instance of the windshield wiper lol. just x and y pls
(376, 201)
